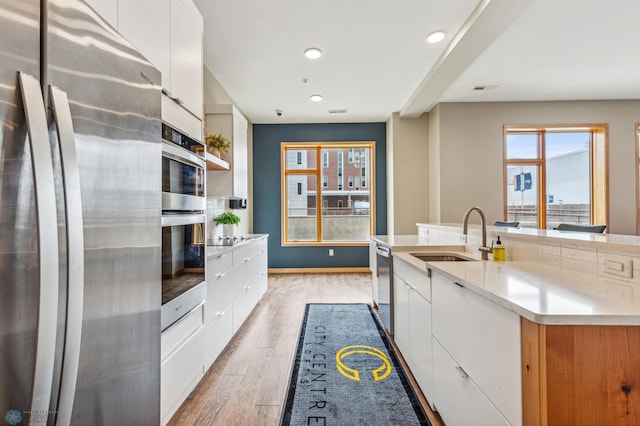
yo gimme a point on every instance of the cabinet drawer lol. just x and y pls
(243, 304)
(217, 333)
(180, 373)
(246, 273)
(175, 335)
(414, 277)
(242, 253)
(484, 339)
(220, 293)
(219, 263)
(458, 399)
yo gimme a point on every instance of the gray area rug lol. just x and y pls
(346, 373)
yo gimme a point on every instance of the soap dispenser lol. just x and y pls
(498, 251)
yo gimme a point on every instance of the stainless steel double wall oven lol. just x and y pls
(183, 225)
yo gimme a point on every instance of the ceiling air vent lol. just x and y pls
(485, 87)
(337, 111)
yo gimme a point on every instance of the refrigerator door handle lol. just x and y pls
(42, 163)
(75, 253)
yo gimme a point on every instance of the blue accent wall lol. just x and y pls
(267, 190)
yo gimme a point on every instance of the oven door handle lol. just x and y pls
(182, 155)
(182, 219)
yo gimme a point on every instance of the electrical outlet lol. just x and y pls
(330, 252)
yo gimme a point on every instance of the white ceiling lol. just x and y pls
(376, 60)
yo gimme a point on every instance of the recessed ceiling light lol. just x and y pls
(313, 53)
(436, 36)
(316, 98)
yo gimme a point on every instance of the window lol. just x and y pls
(350, 155)
(299, 160)
(555, 175)
(316, 209)
(325, 159)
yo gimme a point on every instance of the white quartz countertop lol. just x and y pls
(541, 293)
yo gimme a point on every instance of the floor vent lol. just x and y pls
(337, 111)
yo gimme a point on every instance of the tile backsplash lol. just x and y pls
(615, 261)
(218, 205)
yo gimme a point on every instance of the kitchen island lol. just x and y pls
(524, 341)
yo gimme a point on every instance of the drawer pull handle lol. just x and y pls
(463, 373)
(458, 284)
(220, 256)
(246, 259)
(220, 275)
(219, 314)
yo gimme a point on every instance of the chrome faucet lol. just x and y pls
(465, 225)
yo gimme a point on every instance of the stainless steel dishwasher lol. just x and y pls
(385, 286)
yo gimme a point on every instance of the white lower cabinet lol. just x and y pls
(192, 345)
(476, 338)
(217, 334)
(182, 367)
(459, 401)
(412, 322)
(263, 267)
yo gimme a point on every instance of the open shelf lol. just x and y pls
(216, 163)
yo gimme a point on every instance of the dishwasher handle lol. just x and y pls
(383, 251)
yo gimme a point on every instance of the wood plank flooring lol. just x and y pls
(247, 384)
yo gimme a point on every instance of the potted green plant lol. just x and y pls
(216, 143)
(229, 221)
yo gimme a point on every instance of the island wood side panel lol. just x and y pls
(580, 374)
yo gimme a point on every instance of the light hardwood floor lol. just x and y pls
(247, 384)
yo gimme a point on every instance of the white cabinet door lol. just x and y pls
(484, 339)
(217, 333)
(107, 9)
(243, 304)
(457, 398)
(220, 294)
(180, 372)
(186, 55)
(401, 315)
(263, 266)
(420, 352)
(146, 24)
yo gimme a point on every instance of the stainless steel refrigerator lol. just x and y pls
(80, 207)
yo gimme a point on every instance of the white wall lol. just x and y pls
(434, 165)
(407, 173)
(470, 144)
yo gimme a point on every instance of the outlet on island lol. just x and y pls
(330, 252)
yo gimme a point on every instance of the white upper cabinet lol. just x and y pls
(146, 24)
(169, 34)
(186, 55)
(108, 9)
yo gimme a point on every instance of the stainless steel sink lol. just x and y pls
(439, 257)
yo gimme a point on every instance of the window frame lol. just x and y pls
(599, 184)
(637, 178)
(316, 170)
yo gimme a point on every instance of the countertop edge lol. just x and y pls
(536, 317)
